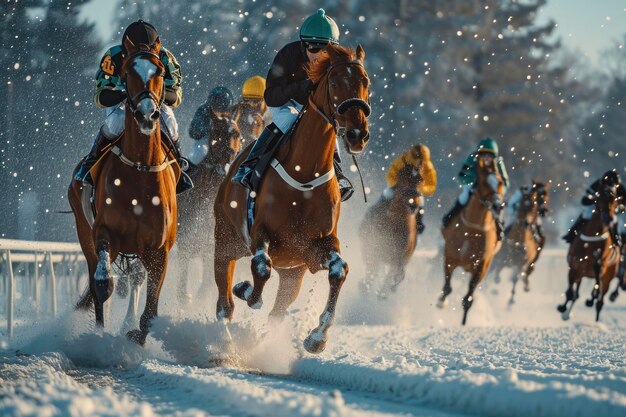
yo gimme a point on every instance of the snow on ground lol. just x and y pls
(401, 356)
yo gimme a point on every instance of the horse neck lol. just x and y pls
(595, 225)
(313, 143)
(139, 148)
(475, 212)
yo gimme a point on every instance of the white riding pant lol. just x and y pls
(286, 115)
(466, 192)
(114, 122)
(587, 211)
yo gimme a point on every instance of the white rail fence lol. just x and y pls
(37, 265)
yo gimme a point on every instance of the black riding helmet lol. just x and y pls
(140, 33)
(610, 178)
(220, 99)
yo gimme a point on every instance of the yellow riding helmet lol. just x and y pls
(421, 150)
(253, 87)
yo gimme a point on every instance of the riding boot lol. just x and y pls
(573, 231)
(83, 174)
(454, 211)
(345, 186)
(244, 174)
(185, 182)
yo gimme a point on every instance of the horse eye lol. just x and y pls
(333, 84)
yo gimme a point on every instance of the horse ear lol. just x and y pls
(360, 53)
(157, 44)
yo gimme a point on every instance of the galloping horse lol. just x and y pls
(135, 192)
(471, 242)
(250, 119)
(592, 254)
(523, 242)
(389, 232)
(298, 202)
(195, 225)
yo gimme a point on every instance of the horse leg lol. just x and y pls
(103, 276)
(595, 292)
(604, 288)
(155, 262)
(570, 295)
(182, 294)
(447, 288)
(468, 300)
(371, 268)
(136, 278)
(261, 267)
(288, 289)
(393, 279)
(516, 274)
(315, 342)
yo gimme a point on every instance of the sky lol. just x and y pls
(590, 26)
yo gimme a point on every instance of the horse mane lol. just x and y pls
(316, 69)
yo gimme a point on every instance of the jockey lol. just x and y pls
(467, 177)
(417, 157)
(511, 207)
(111, 94)
(252, 94)
(609, 181)
(218, 104)
(287, 91)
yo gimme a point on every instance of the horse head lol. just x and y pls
(143, 72)
(342, 91)
(409, 179)
(250, 119)
(224, 139)
(489, 185)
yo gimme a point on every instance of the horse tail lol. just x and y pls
(86, 300)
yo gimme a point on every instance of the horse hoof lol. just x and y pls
(589, 303)
(527, 288)
(613, 297)
(243, 290)
(137, 336)
(313, 344)
(561, 308)
(104, 289)
(565, 316)
(511, 302)
(442, 303)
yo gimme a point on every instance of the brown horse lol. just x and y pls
(523, 242)
(295, 222)
(135, 192)
(621, 272)
(592, 254)
(250, 118)
(195, 224)
(389, 232)
(471, 242)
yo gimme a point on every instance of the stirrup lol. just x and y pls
(345, 188)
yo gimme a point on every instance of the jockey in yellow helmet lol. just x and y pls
(417, 157)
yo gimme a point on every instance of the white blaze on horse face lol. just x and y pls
(145, 69)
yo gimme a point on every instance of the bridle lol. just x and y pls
(345, 105)
(146, 92)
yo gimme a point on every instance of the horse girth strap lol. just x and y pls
(309, 186)
(141, 167)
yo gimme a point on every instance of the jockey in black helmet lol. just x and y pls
(111, 94)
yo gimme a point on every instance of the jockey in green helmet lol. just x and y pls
(287, 91)
(467, 177)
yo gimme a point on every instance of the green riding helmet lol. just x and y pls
(488, 145)
(319, 28)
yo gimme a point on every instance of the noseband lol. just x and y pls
(146, 92)
(345, 105)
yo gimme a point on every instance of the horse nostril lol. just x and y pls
(155, 115)
(352, 134)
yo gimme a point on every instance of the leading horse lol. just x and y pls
(195, 225)
(298, 202)
(471, 242)
(135, 192)
(523, 242)
(389, 232)
(593, 254)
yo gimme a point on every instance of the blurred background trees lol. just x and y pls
(444, 72)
